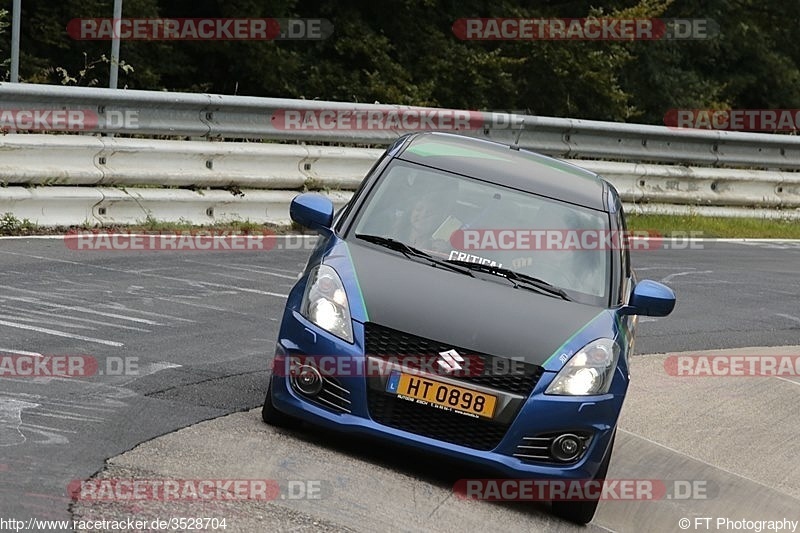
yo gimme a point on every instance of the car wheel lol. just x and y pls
(273, 417)
(582, 512)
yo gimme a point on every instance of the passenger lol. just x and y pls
(572, 269)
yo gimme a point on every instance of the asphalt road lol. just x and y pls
(199, 328)
(729, 295)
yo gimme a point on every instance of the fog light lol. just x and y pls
(307, 380)
(566, 447)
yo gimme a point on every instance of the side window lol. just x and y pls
(625, 262)
(345, 210)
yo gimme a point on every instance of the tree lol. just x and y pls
(405, 52)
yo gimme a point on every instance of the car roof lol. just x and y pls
(498, 163)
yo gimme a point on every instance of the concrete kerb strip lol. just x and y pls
(717, 430)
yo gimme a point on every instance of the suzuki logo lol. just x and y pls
(449, 361)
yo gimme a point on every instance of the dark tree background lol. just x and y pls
(404, 52)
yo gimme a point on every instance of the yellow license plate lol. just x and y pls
(446, 397)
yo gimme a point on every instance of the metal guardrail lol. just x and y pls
(240, 117)
(88, 160)
(256, 181)
(107, 161)
(73, 206)
(70, 206)
(261, 177)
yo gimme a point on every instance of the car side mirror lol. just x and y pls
(312, 210)
(650, 298)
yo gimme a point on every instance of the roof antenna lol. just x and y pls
(515, 146)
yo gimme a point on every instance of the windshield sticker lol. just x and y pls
(464, 256)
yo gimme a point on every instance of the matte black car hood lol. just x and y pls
(485, 316)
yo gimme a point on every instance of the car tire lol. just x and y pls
(582, 512)
(270, 414)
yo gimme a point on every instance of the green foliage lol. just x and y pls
(5, 63)
(153, 225)
(11, 225)
(697, 226)
(405, 52)
(86, 76)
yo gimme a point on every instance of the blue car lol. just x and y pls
(474, 300)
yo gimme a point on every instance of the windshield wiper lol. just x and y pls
(410, 251)
(516, 278)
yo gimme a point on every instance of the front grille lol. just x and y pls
(441, 425)
(499, 373)
(332, 395)
(537, 449)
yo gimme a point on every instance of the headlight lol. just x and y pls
(590, 371)
(325, 302)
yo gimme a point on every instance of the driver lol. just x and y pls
(418, 225)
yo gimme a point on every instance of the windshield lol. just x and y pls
(463, 219)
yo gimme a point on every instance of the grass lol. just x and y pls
(662, 225)
(715, 227)
(151, 224)
(11, 225)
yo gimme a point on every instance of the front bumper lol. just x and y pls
(539, 414)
